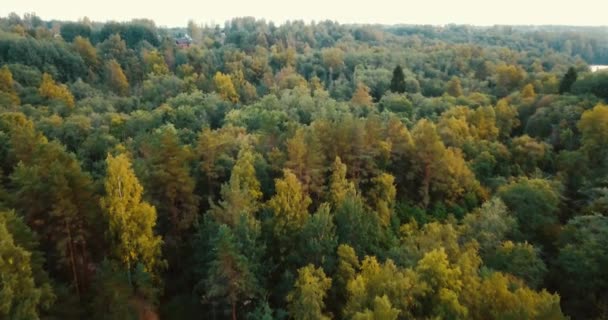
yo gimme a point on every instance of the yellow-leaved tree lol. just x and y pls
(116, 78)
(225, 88)
(131, 220)
(8, 95)
(51, 90)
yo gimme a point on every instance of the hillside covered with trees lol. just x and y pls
(302, 171)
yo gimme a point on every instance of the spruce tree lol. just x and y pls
(398, 80)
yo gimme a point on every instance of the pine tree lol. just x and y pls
(567, 81)
(398, 80)
(56, 199)
(170, 184)
(229, 274)
(131, 220)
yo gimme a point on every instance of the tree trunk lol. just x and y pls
(233, 311)
(426, 181)
(72, 260)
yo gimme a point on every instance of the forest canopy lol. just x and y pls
(302, 171)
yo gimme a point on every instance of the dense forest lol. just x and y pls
(302, 171)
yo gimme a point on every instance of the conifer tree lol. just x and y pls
(398, 80)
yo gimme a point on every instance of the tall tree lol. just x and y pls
(170, 185)
(56, 198)
(241, 194)
(398, 80)
(290, 206)
(568, 80)
(131, 220)
(229, 274)
(339, 186)
(383, 195)
(305, 160)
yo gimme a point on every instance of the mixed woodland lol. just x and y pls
(302, 171)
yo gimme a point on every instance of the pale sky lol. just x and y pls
(178, 12)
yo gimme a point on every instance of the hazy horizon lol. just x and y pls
(388, 12)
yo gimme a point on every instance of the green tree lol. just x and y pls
(131, 220)
(398, 80)
(318, 239)
(229, 275)
(489, 226)
(241, 194)
(521, 260)
(305, 302)
(20, 296)
(56, 199)
(535, 204)
(567, 80)
(170, 184)
(583, 253)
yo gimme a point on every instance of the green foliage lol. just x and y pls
(568, 80)
(432, 172)
(20, 296)
(581, 262)
(535, 204)
(398, 81)
(521, 260)
(229, 276)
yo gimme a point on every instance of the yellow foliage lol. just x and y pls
(116, 78)
(51, 90)
(225, 88)
(8, 94)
